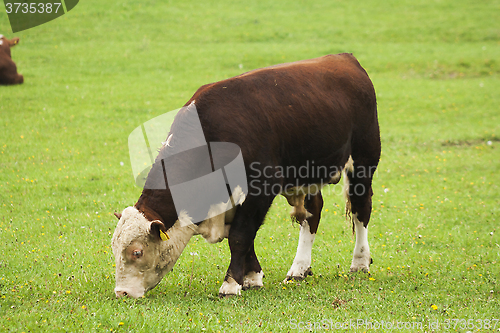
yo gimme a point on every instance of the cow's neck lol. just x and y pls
(179, 237)
(171, 249)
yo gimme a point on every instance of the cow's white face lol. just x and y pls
(142, 257)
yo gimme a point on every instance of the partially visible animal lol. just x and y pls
(299, 126)
(8, 69)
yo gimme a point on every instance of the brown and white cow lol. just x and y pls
(8, 69)
(318, 116)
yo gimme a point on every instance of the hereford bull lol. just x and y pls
(318, 117)
(8, 69)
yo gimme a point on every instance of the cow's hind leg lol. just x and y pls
(301, 266)
(359, 206)
(244, 226)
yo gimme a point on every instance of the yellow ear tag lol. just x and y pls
(164, 236)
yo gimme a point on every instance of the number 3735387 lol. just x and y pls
(32, 8)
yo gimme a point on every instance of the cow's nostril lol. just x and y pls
(121, 293)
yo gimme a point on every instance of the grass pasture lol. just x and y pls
(103, 69)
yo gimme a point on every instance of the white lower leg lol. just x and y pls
(230, 287)
(302, 262)
(253, 280)
(361, 257)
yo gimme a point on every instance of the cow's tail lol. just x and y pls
(347, 172)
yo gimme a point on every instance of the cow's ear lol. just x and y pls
(158, 230)
(118, 215)
(13, 41)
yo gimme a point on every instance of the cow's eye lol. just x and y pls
(137, 253)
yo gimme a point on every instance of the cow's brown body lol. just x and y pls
(307, 114)
(8, 69)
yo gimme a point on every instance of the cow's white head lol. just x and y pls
(144, 252)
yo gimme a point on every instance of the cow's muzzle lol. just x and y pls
(121, 292)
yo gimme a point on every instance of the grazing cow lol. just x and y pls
(8, 69)
(298, 125)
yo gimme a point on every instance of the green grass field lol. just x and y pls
(103, 69)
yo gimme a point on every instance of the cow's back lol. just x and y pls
(291, 113)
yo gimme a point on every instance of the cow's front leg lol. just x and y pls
(252, 278)
(301, 266)
(244, 270)
(240, 245)
(253, 272)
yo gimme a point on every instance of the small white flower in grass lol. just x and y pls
(122, 164)
(489, 143)
(386, 190)
(193, 253)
